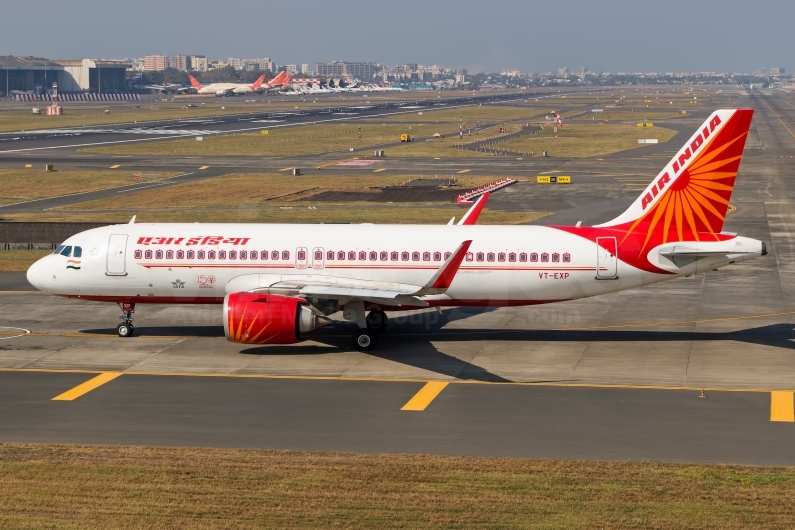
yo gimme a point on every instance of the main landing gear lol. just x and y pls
(126, 329)
(370, 325)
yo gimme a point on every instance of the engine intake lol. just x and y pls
(253, 318)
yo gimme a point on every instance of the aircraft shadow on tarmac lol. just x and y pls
(409, 340)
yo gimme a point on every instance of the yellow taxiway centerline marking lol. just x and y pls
(423, 398)
(464, 171)
(204, 167)
(394, 380)
(379, 170)
(88, 386)
(779, 119)
(114, 166)
(285, 169)
(782, 406)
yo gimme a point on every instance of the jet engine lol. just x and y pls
(253, 318)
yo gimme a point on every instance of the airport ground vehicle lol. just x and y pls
(405, 138)
(278, 282)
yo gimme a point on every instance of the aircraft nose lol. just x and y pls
(37, 274)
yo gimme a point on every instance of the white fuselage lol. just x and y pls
(226, 88)
(193, 263)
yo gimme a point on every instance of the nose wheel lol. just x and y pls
(125, 329)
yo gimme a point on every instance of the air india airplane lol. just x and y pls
(277, 282)
(227, 89)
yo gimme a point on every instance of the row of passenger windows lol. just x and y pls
(351, 255)
(437, 256)
(66, 250)
(212, 254)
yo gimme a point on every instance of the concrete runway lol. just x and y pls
(612, 377)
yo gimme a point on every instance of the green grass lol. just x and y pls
(20, 260)
(576, 140)
(17, 185)
(140, 487)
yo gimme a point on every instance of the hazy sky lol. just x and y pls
(481, 35)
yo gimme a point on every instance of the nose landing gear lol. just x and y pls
(126, 329)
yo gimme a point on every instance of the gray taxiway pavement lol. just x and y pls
(612, 377)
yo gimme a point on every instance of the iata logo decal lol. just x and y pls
(177, 284)
(205, 281)
(680, 161)
(73, 264)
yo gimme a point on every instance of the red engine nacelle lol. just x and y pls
(253, 318)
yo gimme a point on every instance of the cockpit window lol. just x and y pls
(78, 252)
(58, 250)
(67, 251)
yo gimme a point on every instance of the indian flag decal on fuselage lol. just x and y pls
(73, 264)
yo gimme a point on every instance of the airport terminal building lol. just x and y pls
(37, 74)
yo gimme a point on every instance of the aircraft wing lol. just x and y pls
(471, 217)
(323, 287)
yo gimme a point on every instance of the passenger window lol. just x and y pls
(426, 256)
(200, 254)
(470, 256)
(301, 255)
(490, 256)
(148, 254)
(210, 254)
(393, 256)
(341, 255)
(523, 256)
(384, 256)
(481, 256)
(404, 256)
(78, 252)
(447, 255)
(351, 255)
(191, 254)
(222, 254)
(415, 256)
(254, 254)
(437, 256)
(362, 255)
(319, 255)
(566, 257)
(243, 254)
(180, 254)
(544, 257)
(263, 254)
(275, 254)
(373, 256)
(169, 254)
(138, 254)
(58, 250)
(533, 257)
(501, 256)
(285, 254)
(233, 254)
(67, 251)
(159, 254)
(330, 254)
(555, 257)
(512, 256)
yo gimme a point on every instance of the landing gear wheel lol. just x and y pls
(125, 330)
(364, 339)
(377, 321)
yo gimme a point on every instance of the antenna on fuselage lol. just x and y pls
(132, 221)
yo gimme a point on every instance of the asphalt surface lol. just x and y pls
(613, 377)
(366, 416)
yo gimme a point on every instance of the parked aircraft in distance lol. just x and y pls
(276, 283)
(228, 89)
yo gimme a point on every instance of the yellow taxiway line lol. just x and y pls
(782, 406)
(114, 166)
(779, 119)
(379, 170)
(464, 171)
(204, 167)
(88, 386)
(425, 396)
